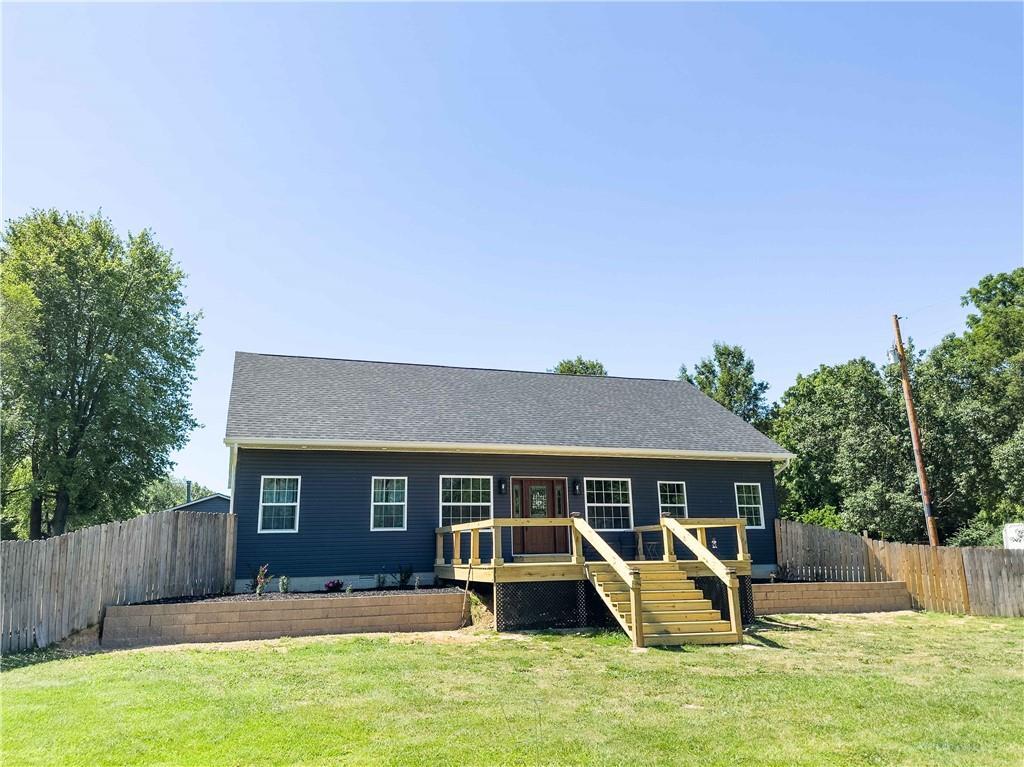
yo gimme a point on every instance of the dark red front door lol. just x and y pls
(539, 499)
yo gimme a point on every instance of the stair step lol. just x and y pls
(686, 627)
(712, 637)
(672, 616)
(658, 595)
(657, 605)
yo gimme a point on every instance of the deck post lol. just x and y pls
(474, 546)
(735, 616)
(457, 548)
(577, 542)
(439, 549)
(741, 540)
(496, 560)
(669, 544)
(640, 546)
(636, 608)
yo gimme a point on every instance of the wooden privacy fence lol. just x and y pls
(977, 581)
(52, 588)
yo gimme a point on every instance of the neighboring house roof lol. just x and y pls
(213, 502)
(312, 402)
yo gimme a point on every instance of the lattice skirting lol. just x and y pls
(714, 590)
(549, 604)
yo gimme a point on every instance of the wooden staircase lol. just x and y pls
(674, 610)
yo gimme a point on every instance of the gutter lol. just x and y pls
(495, 448)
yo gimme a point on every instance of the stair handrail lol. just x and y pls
(629, 576)
(726, 574)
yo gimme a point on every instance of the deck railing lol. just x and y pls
(580, 530)
(672, 529)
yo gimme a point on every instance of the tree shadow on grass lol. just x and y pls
(12, 661)
(766, 623)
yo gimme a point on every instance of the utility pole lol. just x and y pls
(915, 436)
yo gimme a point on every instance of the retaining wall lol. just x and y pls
(226, 621)
(830, 597)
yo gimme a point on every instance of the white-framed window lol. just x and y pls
(609, 503)
(672, 499)
(749, 505)
(465, 499)
(388, 503)
(279, 504)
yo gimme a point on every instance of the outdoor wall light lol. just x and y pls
(502, 486)
(575, 487)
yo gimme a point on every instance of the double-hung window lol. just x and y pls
(279, 505)
(609, 504)
(749, 505)
(672, 499)
(465, 499)
(388, 503)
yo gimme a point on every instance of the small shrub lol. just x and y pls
(404, 577)
(263, 577)
(348, 589)
(282, 584)
(382, 580)
(334, 585)
(416, 583)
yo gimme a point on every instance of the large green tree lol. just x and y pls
(98, 354)
(579, 367)
(843, 422)
(848, 427)
(727, 376)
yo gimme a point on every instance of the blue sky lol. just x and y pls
(503, 186)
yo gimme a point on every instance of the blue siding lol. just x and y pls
(334, 534)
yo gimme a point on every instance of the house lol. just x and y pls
(647, 490)
(216, 502)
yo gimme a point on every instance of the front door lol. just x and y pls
(539, 499)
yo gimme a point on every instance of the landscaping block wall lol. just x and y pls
(226, 621)
(830, 597)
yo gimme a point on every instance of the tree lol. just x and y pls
(843, 423)
(99, 356)
(971, 388)
(167, 492)
(728, 378)
(848, 427)
(579, 367)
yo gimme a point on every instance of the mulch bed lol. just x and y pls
(276, 595)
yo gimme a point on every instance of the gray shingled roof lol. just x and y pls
(277, 398)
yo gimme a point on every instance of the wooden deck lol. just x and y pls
(655, 601)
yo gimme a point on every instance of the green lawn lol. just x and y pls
(903, 688)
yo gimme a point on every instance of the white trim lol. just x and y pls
(565, 486)
(686, 500)
(587, 504)
(405, 506)
(498, 448)
(441, 504)
(760, 503)
(298, 496)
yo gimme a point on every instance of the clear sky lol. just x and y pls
(503, 186)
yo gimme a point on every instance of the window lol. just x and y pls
(672, 498)
(387, 503)
(609, 506)
(748, 503)
(279, 505)
(465, 499)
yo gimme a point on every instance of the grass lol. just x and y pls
(901, 688)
